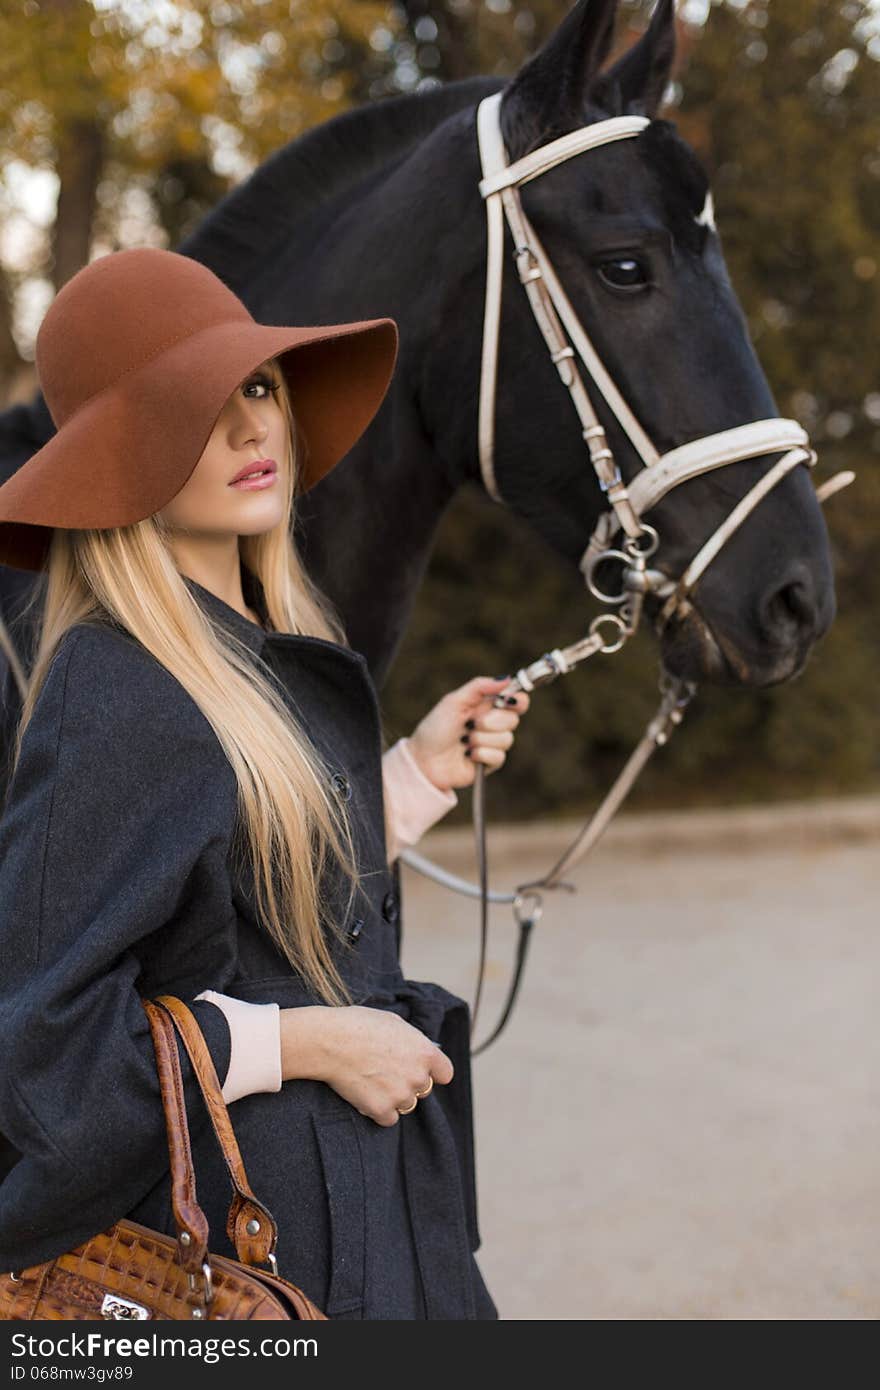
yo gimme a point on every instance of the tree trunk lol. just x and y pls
(80, 162)
(9, 358)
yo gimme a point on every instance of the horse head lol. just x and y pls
(630, 231)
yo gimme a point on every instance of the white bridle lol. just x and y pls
(552, 309)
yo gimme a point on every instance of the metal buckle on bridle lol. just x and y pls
(532, 914)
(523, 254)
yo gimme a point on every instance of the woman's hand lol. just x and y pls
(374, 1059)
(465, 728)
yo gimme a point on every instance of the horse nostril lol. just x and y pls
(790, 613)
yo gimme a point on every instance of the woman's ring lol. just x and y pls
(428, 1088)
(410, 1108)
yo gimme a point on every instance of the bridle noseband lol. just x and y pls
(628, 502)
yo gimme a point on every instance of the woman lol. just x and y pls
(196, 807)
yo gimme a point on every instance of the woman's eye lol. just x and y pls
(263, 381)
(623, 273)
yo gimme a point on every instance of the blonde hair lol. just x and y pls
(291, 825)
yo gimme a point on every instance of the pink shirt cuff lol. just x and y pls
(255, 1057)
(414, 803)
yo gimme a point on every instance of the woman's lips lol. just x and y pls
(266, 472)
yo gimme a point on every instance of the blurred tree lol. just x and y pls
(449, 39)
(783, 102)
(146, 115)
(458, 38)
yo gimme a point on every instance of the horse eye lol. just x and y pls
(623, 273)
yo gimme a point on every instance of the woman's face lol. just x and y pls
(250, 429)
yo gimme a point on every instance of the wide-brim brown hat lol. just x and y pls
(136, 357)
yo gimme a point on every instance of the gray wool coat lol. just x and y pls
(118, 881)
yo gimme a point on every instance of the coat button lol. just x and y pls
(355, 929)
(390, 910)
(341, 785)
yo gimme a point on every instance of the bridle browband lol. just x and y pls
(628, 502)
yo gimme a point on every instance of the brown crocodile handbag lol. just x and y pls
(130, 1271)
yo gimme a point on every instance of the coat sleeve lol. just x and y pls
(114, 885)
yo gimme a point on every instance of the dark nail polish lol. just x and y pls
(467, 752)
(502, 678)
(470, 723)
(511, 699)
(465, 738)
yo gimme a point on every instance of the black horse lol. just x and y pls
(378, 212)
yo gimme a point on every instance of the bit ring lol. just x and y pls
(597, 560)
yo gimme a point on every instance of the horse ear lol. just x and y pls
(637, 81)
(548, 95)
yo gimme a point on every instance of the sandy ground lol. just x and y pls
(682, 1119)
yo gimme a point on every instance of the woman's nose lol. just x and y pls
(250, 423)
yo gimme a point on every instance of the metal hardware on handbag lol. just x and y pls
(131, 1272)
(114, 1306)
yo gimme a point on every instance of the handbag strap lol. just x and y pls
(190, 1220)
(250, 1225)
